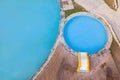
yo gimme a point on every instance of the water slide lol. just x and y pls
(83, 62)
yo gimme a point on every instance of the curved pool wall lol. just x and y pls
(80, 36)
(28, 31)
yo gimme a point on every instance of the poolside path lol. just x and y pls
(99, 7)
(62, 66)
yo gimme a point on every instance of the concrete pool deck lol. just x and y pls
(62, 66)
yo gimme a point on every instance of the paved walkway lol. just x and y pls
(62, 66)
(99, 7)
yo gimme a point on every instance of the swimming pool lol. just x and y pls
(85, 33)
(28, 31)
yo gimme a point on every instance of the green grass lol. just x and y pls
(113, 45)
(111, 4)
(77, 8)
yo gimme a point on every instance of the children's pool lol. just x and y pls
(28, 31)
(85, 33)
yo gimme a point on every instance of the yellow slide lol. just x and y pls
(83, 62)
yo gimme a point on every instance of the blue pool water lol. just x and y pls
(28, 30)
(85, 33)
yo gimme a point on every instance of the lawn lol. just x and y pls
(77, 8)
(111, 4)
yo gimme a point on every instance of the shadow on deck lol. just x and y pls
(62, 66)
